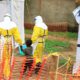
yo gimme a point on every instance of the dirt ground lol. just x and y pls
(71, 53)
(51, 61)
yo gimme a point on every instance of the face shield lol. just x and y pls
(7, 17)
(38, 19)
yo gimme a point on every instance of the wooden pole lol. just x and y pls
(57, 68)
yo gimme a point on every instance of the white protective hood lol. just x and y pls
(39, 22)
(76, 14)
(7, 23)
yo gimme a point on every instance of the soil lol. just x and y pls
(71, 53)
(72, 50)
(48, 69)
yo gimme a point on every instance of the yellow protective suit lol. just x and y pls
(7, 47)
(39, 35)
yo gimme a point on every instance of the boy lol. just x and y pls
(28, 53)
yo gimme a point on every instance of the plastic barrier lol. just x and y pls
(52, 75)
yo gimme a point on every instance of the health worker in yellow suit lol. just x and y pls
(8, 34)
(40, 31)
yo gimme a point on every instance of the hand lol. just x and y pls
(21, 48)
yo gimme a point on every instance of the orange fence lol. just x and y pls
(56, 75)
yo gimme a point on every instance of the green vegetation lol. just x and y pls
(27, 31)
(56, 46)
(69, 35)
(72, 35)
(62, 61)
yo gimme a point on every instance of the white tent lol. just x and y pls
(17, 12)
(16, 9)
(3, 8)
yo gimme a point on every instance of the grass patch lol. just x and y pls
(56, 46)
(69, 35)
(27, 31)
(57, 34)
(62, 61)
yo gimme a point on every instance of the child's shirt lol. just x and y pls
(28, 51)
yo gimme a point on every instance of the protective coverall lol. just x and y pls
(76, 67)
(8, 33)
(40, 32)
